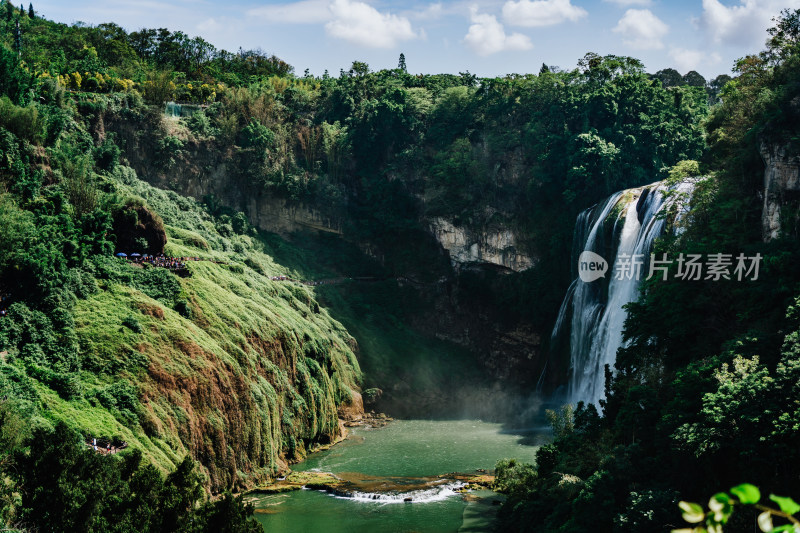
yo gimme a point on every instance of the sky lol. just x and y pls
(485, 37)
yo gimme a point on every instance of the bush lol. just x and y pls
(121, 396)
(106, 155)
(200, 125)
(24, 122)
(513, 477)
(158, 283)
(131, 323)
(182, 308)
(257, 136)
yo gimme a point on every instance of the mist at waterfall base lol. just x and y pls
(590, 322)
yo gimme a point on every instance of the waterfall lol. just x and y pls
(592, 313)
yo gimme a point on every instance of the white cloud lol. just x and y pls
(744, 24)
(432, 12)
(209, 24)
(631, 2)
(641, 29)
(540, 12)
(685, 59)
(487, 36)
(303, 12)
(362, 24)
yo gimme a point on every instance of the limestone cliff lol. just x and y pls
(495, 245)
(201, 169)
(204, 168)
(781, 186)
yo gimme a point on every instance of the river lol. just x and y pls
(402, 460)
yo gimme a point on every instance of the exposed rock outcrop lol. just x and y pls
(354, 410)
(200, 170)
(497, 246)
(137, 229)
(781, 185)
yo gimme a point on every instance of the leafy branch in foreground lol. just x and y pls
(721, 505)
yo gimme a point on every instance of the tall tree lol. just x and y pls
(401, 63)
(18, 39)
(31, 14)
(669, 77)
(694, 79)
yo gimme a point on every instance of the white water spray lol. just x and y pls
(623, 227)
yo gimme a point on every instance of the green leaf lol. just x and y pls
(692, 512)
(746, 493)
(785, 527)
(787, 505)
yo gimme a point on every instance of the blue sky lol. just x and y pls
(486, 37)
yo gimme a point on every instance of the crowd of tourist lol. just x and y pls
(160, 260)
(104, 446)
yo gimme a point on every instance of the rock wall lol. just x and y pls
(201, 169)
(781, 185)
(496, 246)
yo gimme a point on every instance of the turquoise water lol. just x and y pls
(387, 465)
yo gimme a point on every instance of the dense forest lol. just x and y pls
(181, 365)
(705, 396)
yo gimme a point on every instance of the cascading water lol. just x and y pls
(620, 230)
(442, 490)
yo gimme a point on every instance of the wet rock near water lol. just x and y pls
(370, 420)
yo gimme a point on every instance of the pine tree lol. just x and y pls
(31, 14)
(18, 39)
(401, 63)
(9, 10)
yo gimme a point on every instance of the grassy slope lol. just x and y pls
(258, 370)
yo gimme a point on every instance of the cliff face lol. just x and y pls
(495, 245)
(781, 187)
(202, 168)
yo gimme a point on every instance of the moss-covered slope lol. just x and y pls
(241, 372)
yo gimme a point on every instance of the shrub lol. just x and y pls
(57, 475)
(131, 323)
(24, 122)
(182, 308)
(107, 154)
(158, 283)
(200, 125)
(257, 136)
(513, 477)
(121, 396)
